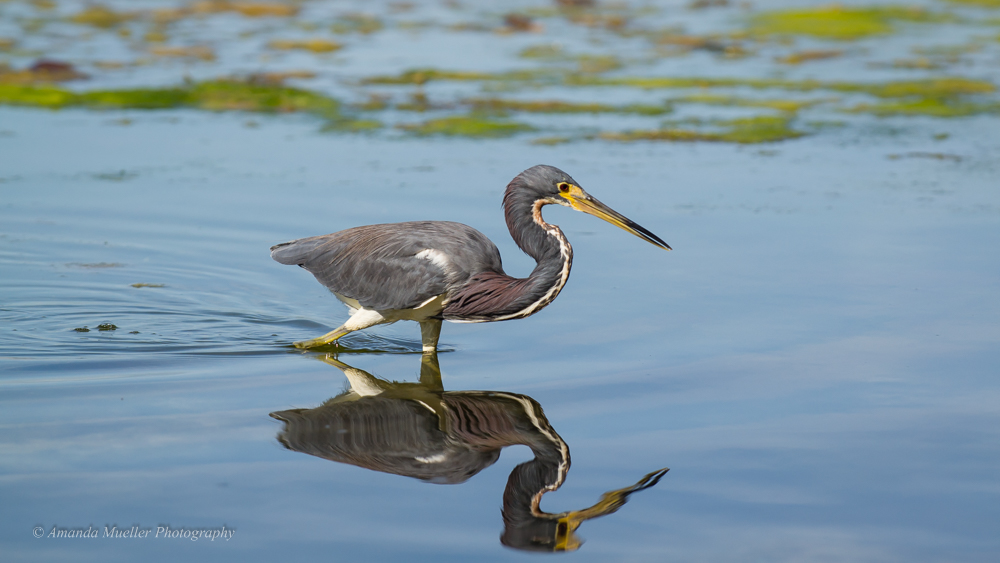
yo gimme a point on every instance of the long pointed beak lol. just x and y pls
(592, 206)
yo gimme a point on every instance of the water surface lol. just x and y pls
(815, 361)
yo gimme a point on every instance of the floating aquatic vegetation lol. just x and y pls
(790, 106)
(800, 57)
(278, 78)
(148, 285)
(7, 43)
(933, 107)
(356, 23)
(557, 106)
(596, 19)
(118, 176)
(104, 17)
(106, 327)
(158, 34)
(98, 15)
(352, 125)
(42, 71)
(193, 52)
(81, 329)
(684, 43)
(941, 87)
(993, 4)
(424, 75)
(314, 45)
(597, 63)
(471, 125)
(420, 102)
(216, 95)
(519, 23)
(918, 63)
(586, 63)
(748, 130)
(841, 23)
(551, 141)
(927, 88)
(545, 52)
(248, 9)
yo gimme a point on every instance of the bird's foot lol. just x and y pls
(322, 340)
(314, 343)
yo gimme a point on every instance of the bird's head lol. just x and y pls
(549, 185)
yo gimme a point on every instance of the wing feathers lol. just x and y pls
(388, 266)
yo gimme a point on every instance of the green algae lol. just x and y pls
(226, 95)
(946, 87)
(139, 98)
(927, 106)
(931, 87)
(758, 129)
(472, 125)
(941, 87)
(101, 16)
(424, 75)
(557, 106)
(839, 22)
(747, 130)
(790, 106)
(357, 23)
(36, 96)
(992, 4)
(352, 126)
(148, 285)
(217, 95)
(544, 52)
(316, 45)
(597, 64)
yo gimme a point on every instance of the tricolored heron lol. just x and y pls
(429, 271)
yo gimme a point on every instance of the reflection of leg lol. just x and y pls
(430, 331)
(430, 371)
(362, 382)
(362, 318)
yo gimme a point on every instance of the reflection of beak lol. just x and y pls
(591, 206)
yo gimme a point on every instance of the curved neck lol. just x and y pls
(546, 244)
(495, 296)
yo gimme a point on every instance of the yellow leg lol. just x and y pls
(322, 340)
(430, 332)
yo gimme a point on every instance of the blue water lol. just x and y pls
(816, 361)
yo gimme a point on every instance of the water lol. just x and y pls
(815, 361)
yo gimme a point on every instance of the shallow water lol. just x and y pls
(815, 361)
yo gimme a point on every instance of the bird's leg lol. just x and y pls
(362, 318)
(430, 331)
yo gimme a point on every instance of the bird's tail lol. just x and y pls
(296, 252)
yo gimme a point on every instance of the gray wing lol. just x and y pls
(386, 266)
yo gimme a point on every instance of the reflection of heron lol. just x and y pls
(419, 430)
(427, 271)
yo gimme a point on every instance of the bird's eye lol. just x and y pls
(564, 187)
